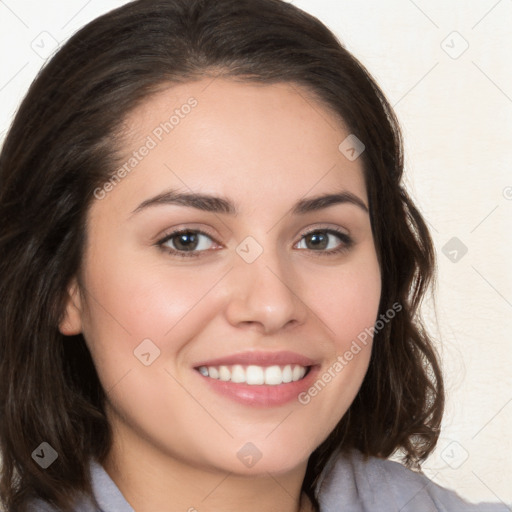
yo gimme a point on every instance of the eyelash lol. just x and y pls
(346, 244)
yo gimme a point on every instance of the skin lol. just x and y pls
(264, 147)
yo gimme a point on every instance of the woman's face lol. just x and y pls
(248, 294)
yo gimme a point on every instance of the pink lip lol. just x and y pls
(262, 395)
(260, 359)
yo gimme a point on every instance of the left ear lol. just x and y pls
(71, 322)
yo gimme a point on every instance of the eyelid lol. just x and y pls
(324, 227)
(169, 233)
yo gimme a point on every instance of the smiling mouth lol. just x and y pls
(254, 375)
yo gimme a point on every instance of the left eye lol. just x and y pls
(320, 239)
(186, 241)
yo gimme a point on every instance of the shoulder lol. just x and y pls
(351, 483)
(38, 505)
(107, 495)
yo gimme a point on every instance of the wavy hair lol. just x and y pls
(64, 142)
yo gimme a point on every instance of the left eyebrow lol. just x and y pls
(324, 201)
(218, 204)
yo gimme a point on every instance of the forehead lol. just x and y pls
(254, 141)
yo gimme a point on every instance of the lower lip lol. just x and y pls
(262, 395)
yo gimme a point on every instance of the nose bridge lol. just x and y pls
(265, 290)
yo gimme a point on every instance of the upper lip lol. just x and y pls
(259, 359)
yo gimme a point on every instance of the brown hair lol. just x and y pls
(63, 144)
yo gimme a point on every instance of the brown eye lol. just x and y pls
(187, 243)
(320, 241)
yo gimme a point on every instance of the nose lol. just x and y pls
(265, 295)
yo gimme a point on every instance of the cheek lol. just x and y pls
(139, 298)
(347, 299)
(131, 301)
(348, 306)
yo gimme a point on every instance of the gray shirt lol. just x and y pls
(347, 484)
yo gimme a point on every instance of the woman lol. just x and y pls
(210, 274)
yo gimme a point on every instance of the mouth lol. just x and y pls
(254, 375)
(258, 379)
(258, 386)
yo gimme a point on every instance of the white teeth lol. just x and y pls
(237, 374)
(255, 375)
(297, 373)
(288, 373)
(273, 376)
(224, 373)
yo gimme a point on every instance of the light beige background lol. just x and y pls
(455, 106)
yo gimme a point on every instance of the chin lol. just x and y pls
(258, 458)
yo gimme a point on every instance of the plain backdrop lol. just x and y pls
(446, 68)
